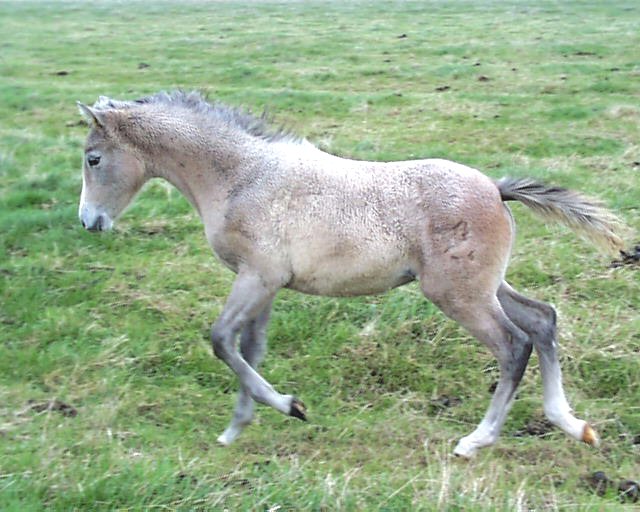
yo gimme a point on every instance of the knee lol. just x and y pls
(521, 349)
(219, 342)
(549, 313)
(520, 340)
(519, 353)
(549, 322)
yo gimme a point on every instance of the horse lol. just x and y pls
(281, 213)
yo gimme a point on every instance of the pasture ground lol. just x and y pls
(109, 395)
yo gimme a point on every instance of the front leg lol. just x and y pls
(250, 296)
(253, 345)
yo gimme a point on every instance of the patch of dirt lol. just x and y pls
(53, 405)
(79, 122)
(631, 257)
(182, 477)
(154, 228)
(230, 480)
(535, 427)
(146, 409)
(261, 463)
(628, 490)
(598, 482)
(444, 402)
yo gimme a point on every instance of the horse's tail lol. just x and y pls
(583, 215)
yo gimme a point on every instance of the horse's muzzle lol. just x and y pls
(98, 225)
(95, 222)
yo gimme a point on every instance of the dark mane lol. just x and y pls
(258, 126)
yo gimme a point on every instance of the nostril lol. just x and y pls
(99, 223)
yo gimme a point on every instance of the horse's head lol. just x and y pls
(113, 172)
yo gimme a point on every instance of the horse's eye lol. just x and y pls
(93, 160)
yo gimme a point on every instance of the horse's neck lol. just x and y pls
(204, 168)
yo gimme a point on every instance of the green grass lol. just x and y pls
(116, 325)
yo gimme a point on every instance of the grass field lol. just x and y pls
(109, 395)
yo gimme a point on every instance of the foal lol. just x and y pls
(280, 213)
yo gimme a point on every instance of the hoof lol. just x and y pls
(229, 435)
(462, 455)
(298, 410)
(223, 441)
(464, 450)
(589, 436)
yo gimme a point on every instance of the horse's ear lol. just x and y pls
(93, 117)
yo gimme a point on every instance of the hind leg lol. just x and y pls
(466, 256)
(512, 348)
(539, 321)
(481, 314)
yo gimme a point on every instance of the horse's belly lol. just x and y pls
(337, 279)
(349, 249)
